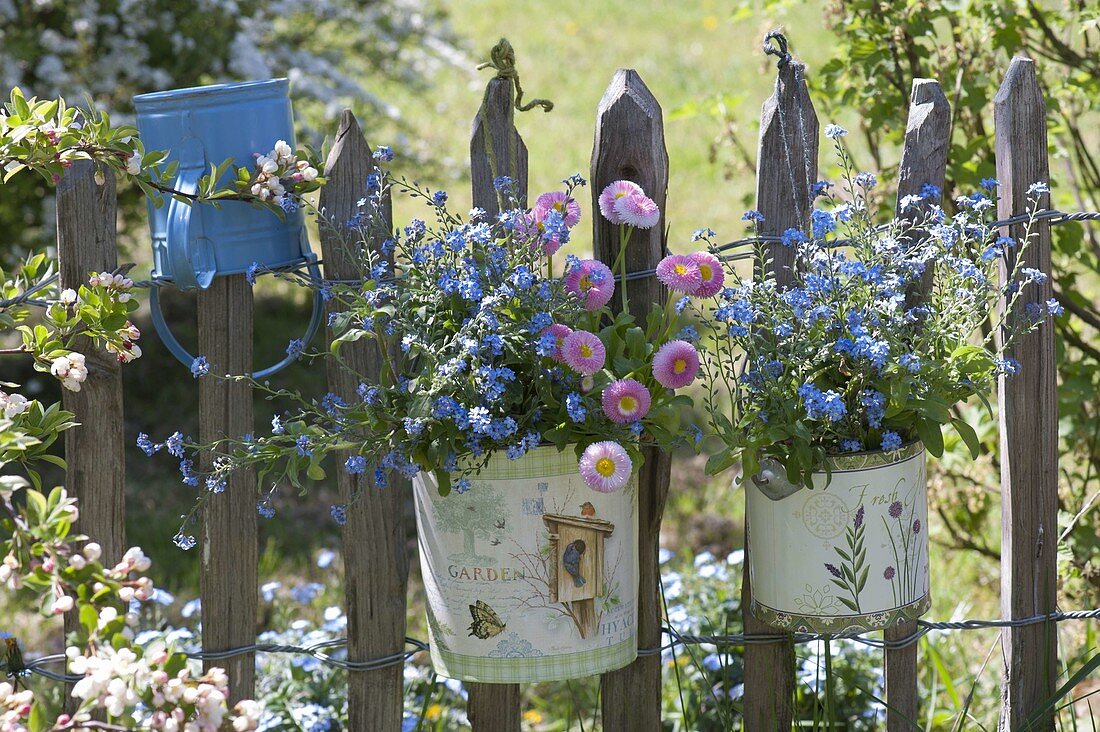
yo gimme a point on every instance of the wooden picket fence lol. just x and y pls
(629, 143)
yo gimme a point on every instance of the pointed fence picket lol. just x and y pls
(376, 564)
(1028, 421)
(496, 150)
(923, 162)
(629, 143)
(786, 170)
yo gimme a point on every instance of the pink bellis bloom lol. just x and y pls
(567, 206)
(626, 401)
(531, 226)
(711, 276)
(680, 273)
(592, 282)
(638, 210)
(613, 192)
(675, 364)
(583, 352)
(605, 466)
(560, 333)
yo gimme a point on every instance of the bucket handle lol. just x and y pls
(181, 354)
(190, 251)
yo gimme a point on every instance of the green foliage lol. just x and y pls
(881, 47)
(843, 360)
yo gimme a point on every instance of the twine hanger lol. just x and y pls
(503, 58)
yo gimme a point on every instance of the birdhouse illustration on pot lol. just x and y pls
(529, 574)
(576, 576)
(193, 244)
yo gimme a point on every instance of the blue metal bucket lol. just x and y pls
(201, 126)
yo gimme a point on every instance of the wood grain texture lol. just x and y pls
(229, 539)
(375, 558)
(96, 473)
(923, 158)
(923, 161)
(94, 451)
(786, 171)
(630, 144)
(1028, 419)
(494, 707)
(496, 148)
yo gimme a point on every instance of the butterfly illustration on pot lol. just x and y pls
(486, 621)
(193, 244)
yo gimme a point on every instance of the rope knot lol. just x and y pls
(781, 51)
(502, 57)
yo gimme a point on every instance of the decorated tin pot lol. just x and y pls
(530, 575)
(849, 555)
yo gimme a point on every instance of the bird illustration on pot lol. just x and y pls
(571, 558)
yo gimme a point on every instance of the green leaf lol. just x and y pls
(720, 461)
(38, 721)
(930, 434)
(89, 619)
(862, 580)
(968, 435)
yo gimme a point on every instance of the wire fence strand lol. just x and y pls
(40, 666)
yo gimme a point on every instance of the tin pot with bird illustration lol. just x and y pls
(530, 574)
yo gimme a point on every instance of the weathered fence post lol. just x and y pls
(786, 169)
(496, 149)
(376, 564)
(923, 161)
(630, 144)
(96, 472)
(230, 550)
(1029, 420)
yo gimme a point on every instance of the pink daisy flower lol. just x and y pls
(560, 333)
(605, 466)
(626, 401)
(530, 226)
(638, 210)
(612, 193)
(567, 206)
(583, 352)
(680, 273)
(592, 282)
(711, 275)
(675, 364)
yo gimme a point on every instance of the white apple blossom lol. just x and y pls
(282, 153)
(12, 405)
(133, 163)
(62, 604)
(15, 707)
(71, 370)
(92, 551)
(67, 296)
